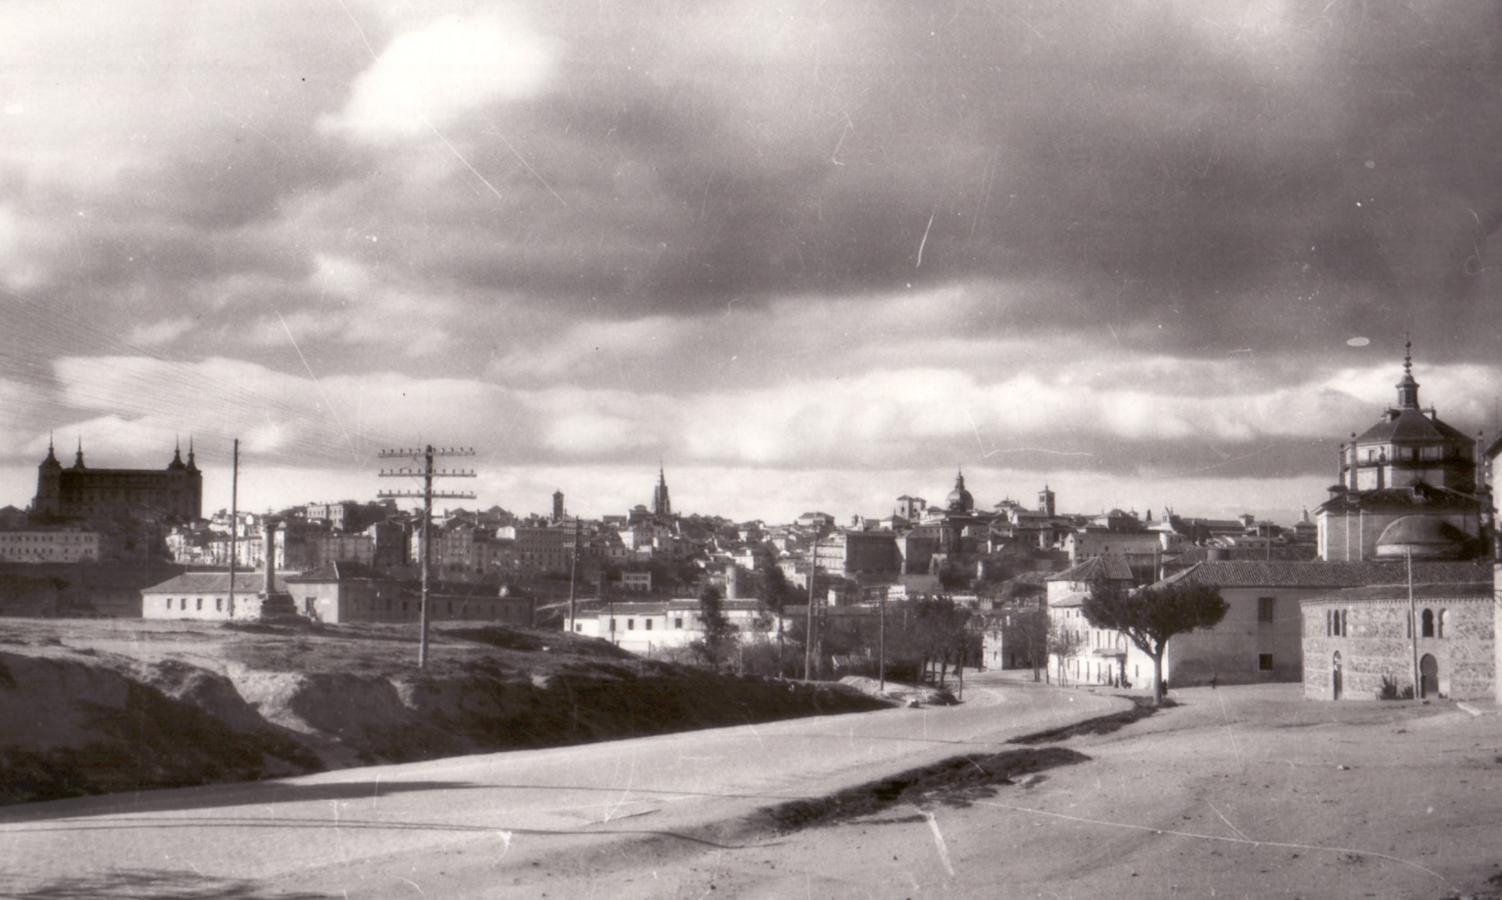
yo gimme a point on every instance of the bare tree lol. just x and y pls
(1063, 642)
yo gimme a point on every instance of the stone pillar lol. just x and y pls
(269, 542)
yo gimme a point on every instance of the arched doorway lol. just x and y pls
(1428, 676)
(1335, 676)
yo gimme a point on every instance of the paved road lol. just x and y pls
(493, 824)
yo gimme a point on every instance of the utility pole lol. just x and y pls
(1413, 629)
(425, 456)
(234, 524)
(573, 574)
(808, 637)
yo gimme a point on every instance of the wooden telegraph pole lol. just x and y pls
(573, 577)
(424, 456)
(808, 636)
(234, 525)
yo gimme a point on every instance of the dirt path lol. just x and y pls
(1241, 792)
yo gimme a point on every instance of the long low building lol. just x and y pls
(649, 628)
(333, 593)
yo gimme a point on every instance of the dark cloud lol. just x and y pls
(1162, 167)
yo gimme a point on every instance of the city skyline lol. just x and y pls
(814, 260)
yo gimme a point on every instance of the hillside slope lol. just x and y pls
(95, 706)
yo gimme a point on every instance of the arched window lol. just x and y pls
(1439, 630)
(1426, 620)
(1343, 623)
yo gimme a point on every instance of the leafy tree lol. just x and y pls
(941, 630)
(775, 590)
(1151, 616)
(719, 635)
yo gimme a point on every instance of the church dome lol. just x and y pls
(1425, 537)
(959, 499)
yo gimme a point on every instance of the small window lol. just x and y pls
(678, 622)
(1343, 622)
(1265, 662)
(198, 604)
(1266, 607)
(218, 604)
(630, 624)
(182, 603)
(648, 624)
(1426, 620)
(1439, 628)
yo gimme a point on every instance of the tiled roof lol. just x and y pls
(1281, 573)
(1457, 591)
(1071, 599)
(1411, 425)
(1109, 567)
(1419, 496)
(336, 571)
(212, 582)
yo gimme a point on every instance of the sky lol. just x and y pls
(802, 255)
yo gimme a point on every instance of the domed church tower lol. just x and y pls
(959, 499)
(1409, 466)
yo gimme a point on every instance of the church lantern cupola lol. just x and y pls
(1408, 389)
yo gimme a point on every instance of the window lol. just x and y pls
(1426, 620)
(678, 622)
(648, 624)
(182, 603)
(218, 604)
(169, 602)
(1408, 622)
(1439, 629)
(612, 623)
(1343, 623)
(198, 604)
(630, 624)
(1265, 662)
(1265, 608)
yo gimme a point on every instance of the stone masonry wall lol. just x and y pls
(1376, 643)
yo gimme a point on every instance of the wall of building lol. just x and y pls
(207, 606)
(1376, 643)
(52, 546)
(1231, 651)
(1344, 538)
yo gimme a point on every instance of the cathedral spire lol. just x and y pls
(78, 455)
(662, 505)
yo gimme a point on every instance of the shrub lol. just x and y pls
(1391, 691)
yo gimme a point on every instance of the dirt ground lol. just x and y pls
(1237, 792)
(93, 706)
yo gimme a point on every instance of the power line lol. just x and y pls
(424, 456)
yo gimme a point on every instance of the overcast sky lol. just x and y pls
(809, 255)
